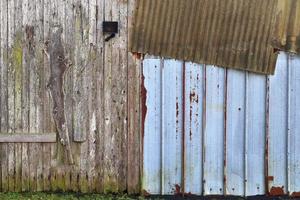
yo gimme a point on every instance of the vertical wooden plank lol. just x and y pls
(119, 91)
(40, 87)
(99, 79)
(18, 59)
(255, 134)
(10, 92)
(48, 126)
(151, 91)
(194, 93)
(109, 169)
(65, 173)
(27, 54)
(235, 132)
(278, 127)
(81, 20)
(214, 131)
(91, 89)
(69, 41)
(30, 30)
(46, 99)
(84, 146)
(4, 109)
(1, 63)
(294, 126)
(85, 65)
(113, 76)
(54, 153)
(134, 112)
(172, 126)
(80, 113)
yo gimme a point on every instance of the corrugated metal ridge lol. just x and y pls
(238, 34)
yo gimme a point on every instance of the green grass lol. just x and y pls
(61, 196)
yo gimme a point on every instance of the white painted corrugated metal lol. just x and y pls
(211, 131)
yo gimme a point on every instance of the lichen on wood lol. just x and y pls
(58, 67)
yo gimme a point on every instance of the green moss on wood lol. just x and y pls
(62, 196)
(17, 50)
(110, 186)
(83, 183)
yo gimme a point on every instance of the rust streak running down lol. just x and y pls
(144, 103)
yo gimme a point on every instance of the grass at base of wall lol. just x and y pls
(62, 196)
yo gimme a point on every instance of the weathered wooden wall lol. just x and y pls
(101, 88)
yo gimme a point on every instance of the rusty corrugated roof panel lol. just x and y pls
(232, 33)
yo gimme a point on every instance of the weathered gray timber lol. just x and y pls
(70, 102)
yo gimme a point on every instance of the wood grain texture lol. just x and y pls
(18, 47)
(26, 58)
(111, 139)
(1, 161)
(40, 86)
(10, 92)
(92, 86)
(134, 112)
(4, 103)
(101, 98)
(48, 123)
(3, 97)
(28, 138)
(99, 80)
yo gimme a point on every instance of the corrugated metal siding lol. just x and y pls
(239, 34)
(211, 131)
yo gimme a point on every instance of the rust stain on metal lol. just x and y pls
(58, 66)
(295, 194)
(177, 111)
(178, 191)
(194, 97)
(276, 191)
(270, 178)
(191, 114)
(144, 104)
(137, 56)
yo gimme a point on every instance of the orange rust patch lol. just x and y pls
(276, 191)
(296, 194)
(137, 55)
(177, 189)
(270, 178)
